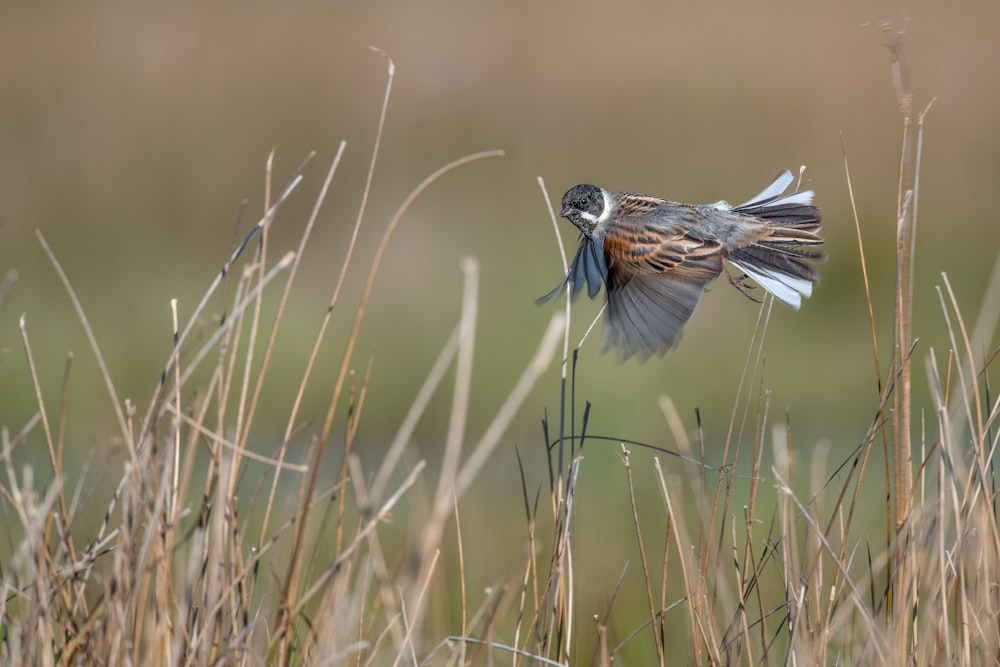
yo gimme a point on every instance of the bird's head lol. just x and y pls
(588, 207)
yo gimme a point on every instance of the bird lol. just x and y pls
(655, 257)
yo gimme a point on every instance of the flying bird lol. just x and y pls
(655, 256)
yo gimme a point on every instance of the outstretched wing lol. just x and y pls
(656, 275)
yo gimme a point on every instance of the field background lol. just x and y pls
(130, 135)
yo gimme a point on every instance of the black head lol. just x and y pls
(584, 205)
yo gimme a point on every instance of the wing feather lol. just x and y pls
(650, 248)
(647, 310)
(588, 268)
(647, 313)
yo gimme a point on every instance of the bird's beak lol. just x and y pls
(565, 212)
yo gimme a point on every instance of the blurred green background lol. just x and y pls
(130, 134)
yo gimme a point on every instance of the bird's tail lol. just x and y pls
(782, 262)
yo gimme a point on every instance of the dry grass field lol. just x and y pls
(273, 389)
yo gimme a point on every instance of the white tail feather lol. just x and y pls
(783, 286)
(780, 183)
(784, 179)
(803, 197)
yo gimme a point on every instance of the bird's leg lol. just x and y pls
(740, 283)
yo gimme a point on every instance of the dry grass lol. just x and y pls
(198, 562)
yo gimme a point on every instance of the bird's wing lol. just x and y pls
(663, 240)
(588, 268)
(657, 272)
(646, 313)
